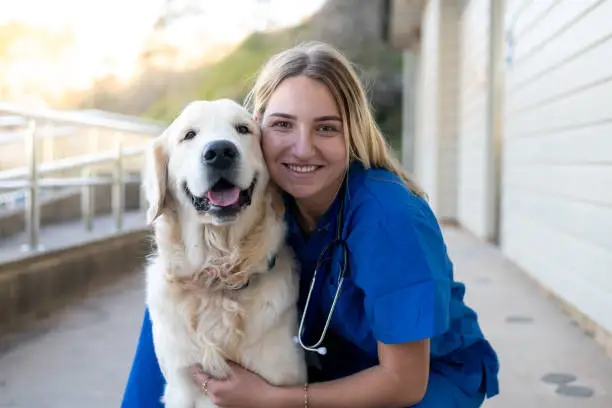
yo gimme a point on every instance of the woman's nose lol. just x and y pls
(304, 146)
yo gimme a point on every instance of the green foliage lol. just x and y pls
(378, 65)
(229, 78)
(232, 76)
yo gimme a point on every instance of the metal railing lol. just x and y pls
(30, 177)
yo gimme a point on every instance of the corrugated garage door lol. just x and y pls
(557, 189)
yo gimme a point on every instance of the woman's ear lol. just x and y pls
(257, 116)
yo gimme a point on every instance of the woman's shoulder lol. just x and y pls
(398, 259)
(381, 195)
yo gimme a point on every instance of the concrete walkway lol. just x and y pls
(81, 357)
(538, 345)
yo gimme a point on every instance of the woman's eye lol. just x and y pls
(327, 128)
(190, 134)
(281, 124)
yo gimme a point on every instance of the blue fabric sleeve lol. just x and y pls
(145, 384)
(399, 260)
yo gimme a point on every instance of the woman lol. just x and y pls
(400, 334)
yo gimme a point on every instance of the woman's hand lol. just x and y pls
(241, 388)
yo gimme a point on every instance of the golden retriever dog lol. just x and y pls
(222, 284)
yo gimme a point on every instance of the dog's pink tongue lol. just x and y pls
(224, 198)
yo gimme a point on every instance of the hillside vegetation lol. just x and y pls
(351, 25)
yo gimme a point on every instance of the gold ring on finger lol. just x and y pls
(205, 386)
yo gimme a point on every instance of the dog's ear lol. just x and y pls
(156, 178)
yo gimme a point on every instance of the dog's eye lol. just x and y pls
(190, 134)
(242, 129)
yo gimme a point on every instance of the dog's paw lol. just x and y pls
(176, 396)
(215, 365)
(219, 371)
(204, 403)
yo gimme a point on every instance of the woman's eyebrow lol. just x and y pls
(283, 115)
(317, 119)
(328, 117)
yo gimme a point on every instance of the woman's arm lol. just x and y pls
(400, 380)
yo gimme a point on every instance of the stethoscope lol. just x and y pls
(337, 242)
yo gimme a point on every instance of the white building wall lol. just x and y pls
(448, 104)
(473, 195)
(557, 172)
(425, 146)
(436, 118)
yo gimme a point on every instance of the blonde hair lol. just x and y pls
(322, 62)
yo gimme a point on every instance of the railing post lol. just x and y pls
(143, 196)
(87, 201)
(118, 189)
(31, 204)
(48, 143)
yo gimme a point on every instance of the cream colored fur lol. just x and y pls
(197, 318)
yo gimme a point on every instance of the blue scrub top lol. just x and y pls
(399, 287)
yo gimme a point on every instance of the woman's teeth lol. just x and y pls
(302, 169)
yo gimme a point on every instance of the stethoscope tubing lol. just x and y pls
(316, 347)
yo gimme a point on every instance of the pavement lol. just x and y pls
(81, 356)
(546, 360)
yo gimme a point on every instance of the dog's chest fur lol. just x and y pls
(196, 323)
(223, 319)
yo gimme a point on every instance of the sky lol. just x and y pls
(120, 26)
(100, 24)
(117, 29)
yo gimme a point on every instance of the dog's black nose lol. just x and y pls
(220, 155)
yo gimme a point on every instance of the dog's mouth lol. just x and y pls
(224, 198)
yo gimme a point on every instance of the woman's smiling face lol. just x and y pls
(303, 140)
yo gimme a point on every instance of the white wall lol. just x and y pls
(437, 98)
(473, 194)
(557, 187)
(426, 144)
(410, 78)
(448, 104)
